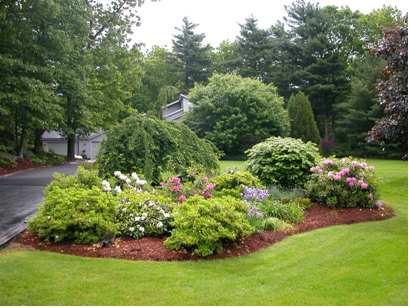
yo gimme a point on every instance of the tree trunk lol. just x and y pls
(20, 152)
(38, 141)
(71, 148)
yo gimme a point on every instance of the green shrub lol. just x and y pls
(150, 146)
(140, 214)
(74, 213)
(232, 183)
(282, 161)
(86, 179)
(344, 183)
(202, 225)
(291, 212)
(275, 224)
(38, 159)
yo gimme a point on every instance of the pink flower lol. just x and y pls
(379, 204)
(210, 186)
(370, 196)
(361, 182)
(364, 185)
(206, 179)
(351, 184)
(174, 179)
(182, 198)
(346, 170)
(176, 188)
(312, 169)
(371, 168)
(320, 171)
(207, 195)
(345, 192)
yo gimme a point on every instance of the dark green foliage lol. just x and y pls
(150, 146)
(192, 58)
(285, 162)
(74, 213)
(203, 225)
(236, 113)
(303, 125)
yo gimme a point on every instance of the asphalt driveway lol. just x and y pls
(20, 195)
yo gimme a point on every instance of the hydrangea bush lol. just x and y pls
(344, 183)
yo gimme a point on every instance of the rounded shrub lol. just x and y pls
(80, 214)
(232, 183)
(151, 146)
(344, 183)
(202, 225)
(285, 162)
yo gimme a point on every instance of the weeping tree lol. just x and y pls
(151, 146)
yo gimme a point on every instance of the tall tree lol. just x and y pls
(393, 93)
(303, 125)
(253, 50)
(311, 60)
(192, 57)
(236, 113)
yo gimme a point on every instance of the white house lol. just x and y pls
(89, 145)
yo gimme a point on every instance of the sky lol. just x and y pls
(219, 19)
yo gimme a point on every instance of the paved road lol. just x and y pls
(20, 194)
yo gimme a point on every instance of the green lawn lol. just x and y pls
(360, 264)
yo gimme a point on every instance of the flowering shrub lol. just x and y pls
(282, 161)
(232, 183)
(123, 181)
(140, 214)
(178, 191)
(202, 225)
(344, 183)
(81, 214)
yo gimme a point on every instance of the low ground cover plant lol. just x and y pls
(344, 183)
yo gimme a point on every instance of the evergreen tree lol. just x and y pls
(303, 125)
(253, 50)
(192, 58)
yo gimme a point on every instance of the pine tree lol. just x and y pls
(303, 125)
(193, 58)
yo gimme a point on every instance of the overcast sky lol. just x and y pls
(218, 19)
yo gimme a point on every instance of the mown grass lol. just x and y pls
(360, 264)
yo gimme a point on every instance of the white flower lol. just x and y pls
(105, 183)
(135, 176)
(87, 204)
(144, 214)
(122, 177)
(137, 219)
(117, 173)
(166, 215)
(108, 189)
(128, 181)
(124, 209)
(159, 225)
(141, 229)
(118, 190)
(56, 237)
(131, 229)
(141, 182)
(142, 218)
(131, 214)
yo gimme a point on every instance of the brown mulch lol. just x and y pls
(22, 164)
(153, 249)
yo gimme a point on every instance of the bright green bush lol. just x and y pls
(150, 146)
(202, 225)
(285, 162)
(140, 214)
(344, 183)
(85, 179)
(232, 183)
(81, 214)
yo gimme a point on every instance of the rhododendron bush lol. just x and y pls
(344, 183)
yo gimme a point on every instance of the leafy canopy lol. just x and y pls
(151, 146)
(235, 112)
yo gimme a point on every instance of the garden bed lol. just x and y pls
(153, 249)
